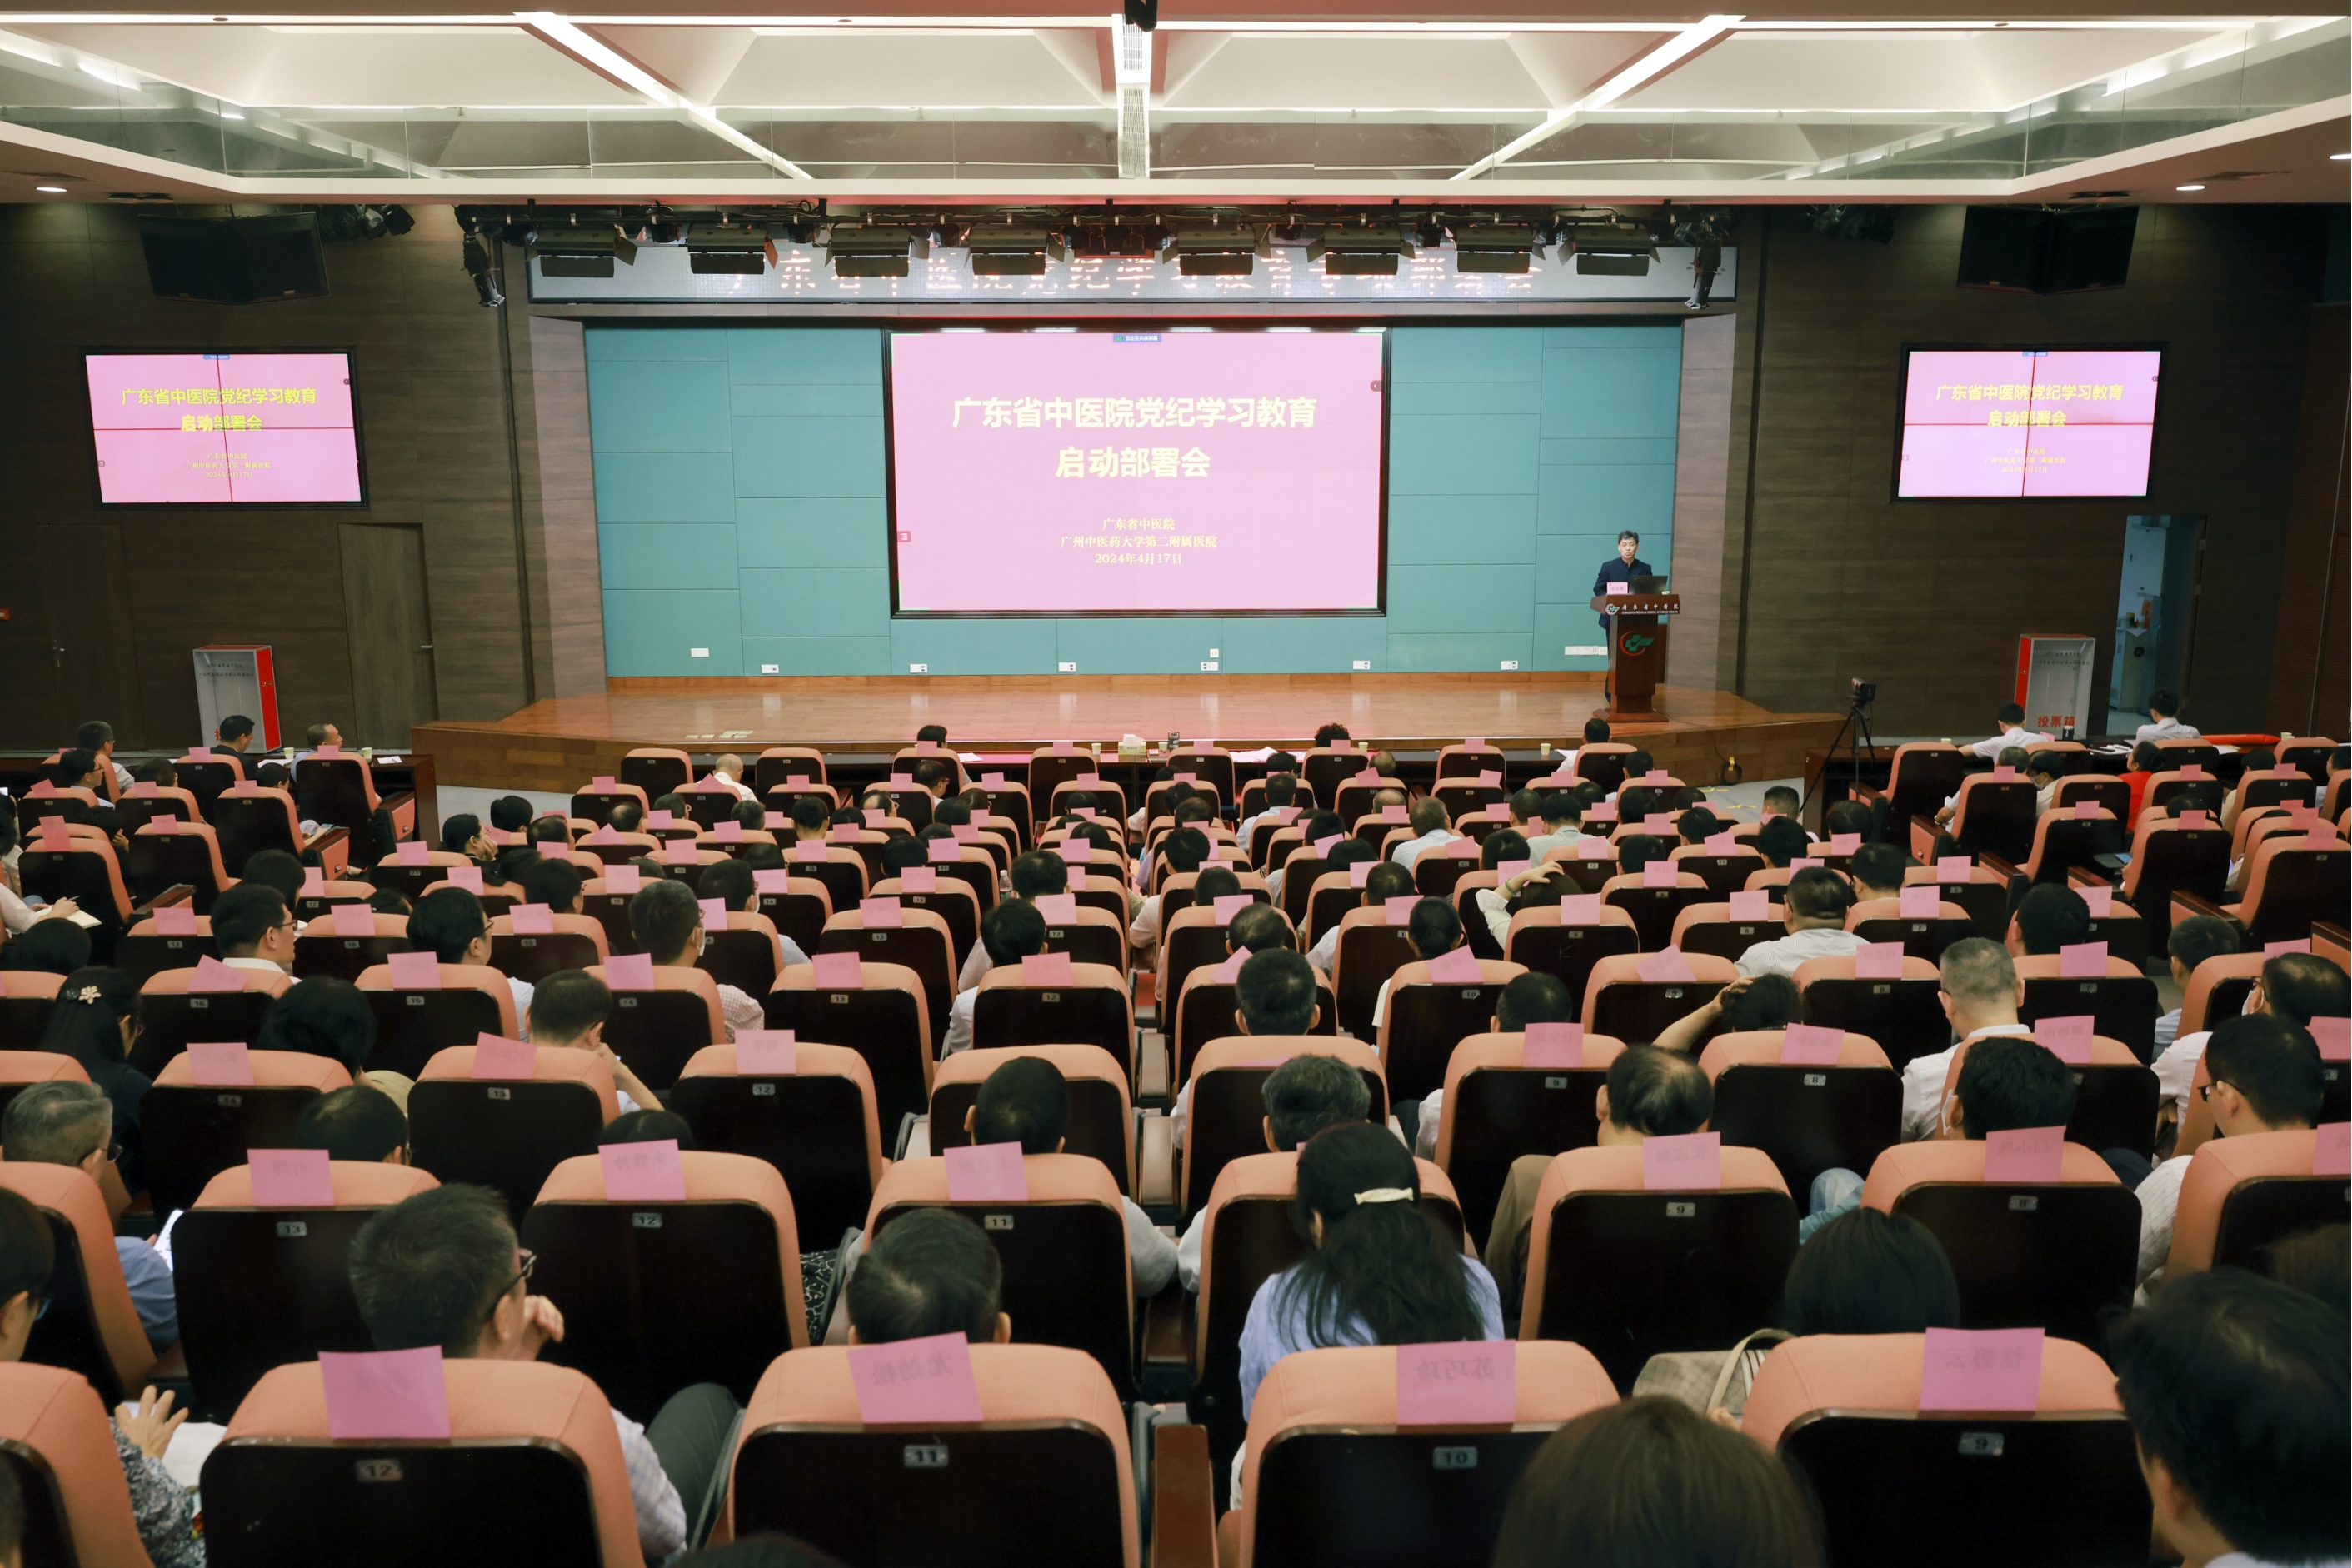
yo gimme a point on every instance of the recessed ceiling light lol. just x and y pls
(51, 190)
(2188, 187)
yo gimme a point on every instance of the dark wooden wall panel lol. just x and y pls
(2308, 666)
(1702, 455)
(559, 481)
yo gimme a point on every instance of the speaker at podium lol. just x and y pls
(1638, 619)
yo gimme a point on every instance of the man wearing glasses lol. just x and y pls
(69, 1123)
(253, 929)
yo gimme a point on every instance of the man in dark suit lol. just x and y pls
(1621, 567)
(237, 733)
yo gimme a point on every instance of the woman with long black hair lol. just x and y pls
(95, 1021)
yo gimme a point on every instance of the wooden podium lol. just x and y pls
(1637, 650)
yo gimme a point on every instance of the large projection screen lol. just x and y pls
(2027, 423)
(224, 429)
(1138, 472)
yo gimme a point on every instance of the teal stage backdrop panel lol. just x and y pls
(741, 511)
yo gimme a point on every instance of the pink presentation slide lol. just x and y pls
(2028, 423)
(1068, 472)
(224, 429)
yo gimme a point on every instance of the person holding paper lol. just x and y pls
(2297, 986)
(1384, 881)
(569, 1011)
(1027, 1101)
(1431, 827)
(1010, 932)
(1980, 993)
(2262, 1074)
(449, 923)
(1530, 998)
(2235, 1388)
(357, 1122)
(1815, 911)
(666, 919)
(444, 1268)
(163, 1510)
(1303, 1095)
(67, 1123)
(2163, 708)
(327, 1016)
(932, 1272)
(1617, 573)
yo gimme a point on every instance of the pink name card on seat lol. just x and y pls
(766, 1053)
(1398, 911)
(1919, 903)
(467, 877)
(1367, 776)
(1593, 850)
(902, 780)
(727, 832)
(1658, 822)
(1579, 909)
(2025, 1154)
(351, 919)
(1606, 811)
(1394, 813)
(2193, 819)
(2067, 1038)
(809, 852)
(1058, 908)
(211, 974)
(1088, 781)
(180, 920)
(415, 971)
(379, 1394)
(2087, 810)
(495, 1056)
(992, 781)
(775, 880)
(1810, 1045)
(1460, 1383)
(915, 1382)
(943, 852)
(1046, 969)
(412, 853)
(2333, 1037)
(1981, 1369)
(1845, 843)
(1458, 967)
(314, 883)
(531, 919)
(2004, 773)
(2331, 1152)
(624, 880)
(987, 1173)
(1506, 869)
(1804, 863)
(168, 826)
(838, 971)
(1752, 906)
(144, 790)
(607, 833)
(1225, 906)
(1666, 967)
(918, 879)
(2082, 960)
(1721, 843)
(880, 914)
(2102, 901)
(1955, 869)
(680, 852)
(643, 1172)
(1685, 1162)
(1361, 872)
(1879, 961)
(1661, 874)
(1657, 777)
(661, 819)
(223, 1063)
(2193, 769)
(291, 1178)
(2273, 949)
(603, 785)
(630, 971)
(1063, 748)
(1552, 1046)
(1077, 878)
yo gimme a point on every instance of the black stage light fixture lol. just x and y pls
(1217, 251)
(726, 248)
(480, 256)
(1614, 258)
(1493, 247)
(581, 252)
(1019, 249)
(1365, 251)
(1108, 237)
(874, 250)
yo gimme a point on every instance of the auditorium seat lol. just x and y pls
(21, 1069)
(262, 1285)
(1330, 1480)
(162, 857)
(1102, 1118)
(1427, 1018)
(1655, 909)
(2055, 1487)
(2292, 884)
(413, 1023)
(531, 1472)
(1545, 942)
(323, 950)
(2218, 989)
(1369, 952)
(1618, 1002)
(89, 1327)
(1110, 800)
(206, 775)
(657, 770)
(804, 903)
(883, 1018)
(2064, 841)
(1990, 816)
(1806, 1118)
(2283, 786)
(1092, 1009)
(576, 943)
(250, 819)
(661, 1293)
(340, 792)
(1984, 896)
(413, 875)
(595, 805)
(1300, 869)
(496, 898)
(1496, 1108)
(1723, 873)
(1226, 1115)
(1435, 874)
(656, 1031)
(2123, 1001)
(58, 1442)
(1067, 1278)
(142, 951)
(841, 868)
(2173, 781)
(777, 766)
(2111, 793)
(1324, 769)
(1923, 774)
(1709, 929)
(2196, 1120)
(81, 866)
(920, 943)
(311, 904)
(1206, 1010)
(1603, 762)
(1628, 1272)
(27, 997)
(1191, 939)
(613, 848)
(1905, 1017)
(75, 807)
(170, 1015)
(506, 1134)
(1176, 892)
(1046, 1477)
(818, 1125)
(2309, 754)
(146, 802)
(1882, 920)
(2045, 1255)
(191, 1132)
(2245, 1192)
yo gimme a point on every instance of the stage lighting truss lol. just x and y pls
(1112, 238)
(874, 250)
(584, 252)
(728, 248)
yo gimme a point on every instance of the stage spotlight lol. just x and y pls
(1367, 250)
(1141, 14)
(1217, 251)
(396, 220)
(581, 252)
(726, 249)
(1614, 258)
(874, 250)
(1107, 238)
(1493, 247)
(480, 259)
(1011, 249)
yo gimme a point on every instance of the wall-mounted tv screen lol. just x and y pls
(1170, 472)
(2027, 423)
(224, 429)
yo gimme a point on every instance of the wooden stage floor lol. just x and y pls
(556, 743)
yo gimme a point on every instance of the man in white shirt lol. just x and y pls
(1560, 813)
(253, 929)
(1033, 875)
(1281, 792)
(2013, 732)
(2192, 942)
(1430, 827)
(316, 736)
(1313, 827)
(1010, 932)
(2162, 705)
(1385, 881)
(733, 884)
(1274, 994)
(568, 1010)
(1303, 1095)
(1185, 849)
(2262, 1074)
(728, 772)
(1815, 911)
(449, 922)
(2296, 986)
(1980, 993)
(2047, 769)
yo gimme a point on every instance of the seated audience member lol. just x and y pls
(1783, 839)
(17, 916)
(1281, 761)
(1281, 791)
(2296, 986)
(462, 834)
(1330, 735)
(511, 814)
(277, 868)
(95, 1020)
(159, 772)
(1637, 850)
(2049, 917)
(1274, 994)
(932, 1272)
(1431, 827)
(1027, 1101)
(1315, 827)
(48, 947)
(2163, 710)
(810, 820)
(163, 1510)
(444, 1268)
(235, 734)
(666, 919)
(97, 737)
(1695, 825)
(1634, 802)
(1509, 895)
(2236, 1388)
(1530, 998)
(555, 883)
(1651, 1482)
(253, 929)
(1526, 808)
(1815, 911)
(1303, 1095)
(1649, 1093)
(567, 1011)
(358, 1121)
(65, 1122)
(1638, 764)
(2010, 730)
(1560, 812)
(1878, 872)
(327, 1016)
(931, 735)
(654, 1126)
(1385, 881)
(726, 772)
(626, 817)
(1434, 932)
(449, 923)
(1186, 849)
(1779, 801)
(1010, 932)
(732, 883)
(1752, 1001)
(1980, 993)
(2316, 1260)
(2047, 770)
(80, 768)
(675, 804)
(1033, 875)
(390, 901)
(1596, 733)
(2192, 942)
(1848, 817)
(2144, 762)
(316, 736)
(2262, 1074)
